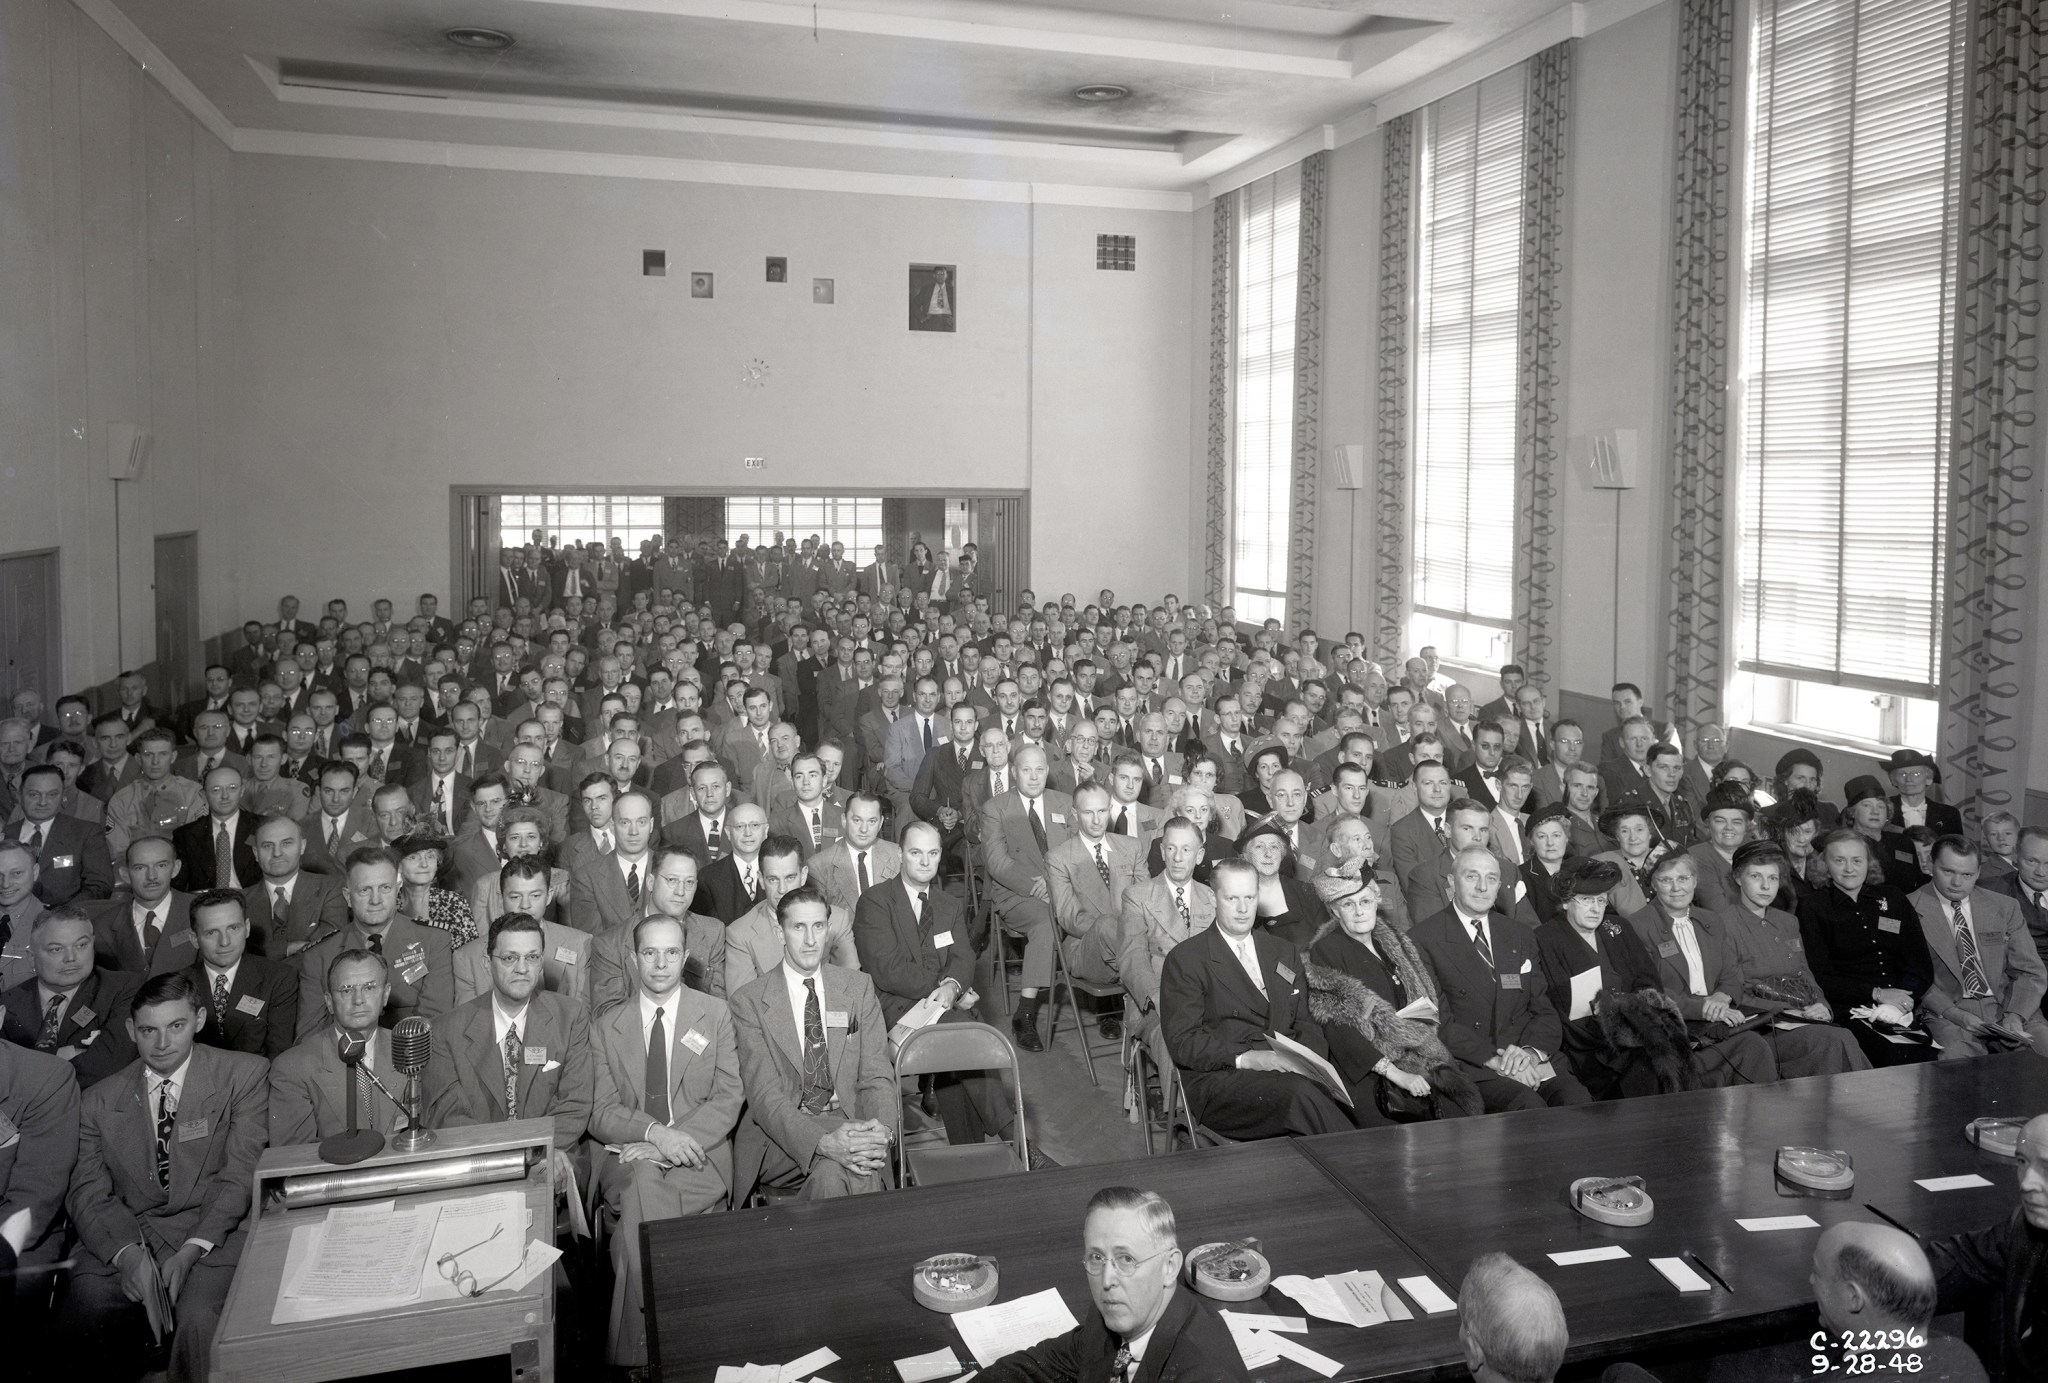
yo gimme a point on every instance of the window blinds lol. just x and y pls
(1467, 319)
(1852, 187)
(1269, 252)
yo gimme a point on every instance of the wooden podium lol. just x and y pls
(248, 1346)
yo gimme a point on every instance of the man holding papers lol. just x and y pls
(668, 1097)
(167, 1151)
(1143, 1329)
(1233, 1004)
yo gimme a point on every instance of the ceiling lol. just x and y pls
(922, 94)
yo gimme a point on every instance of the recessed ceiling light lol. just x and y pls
(1099, 92)
(482, 40)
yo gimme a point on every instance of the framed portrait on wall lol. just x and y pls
(934, 297)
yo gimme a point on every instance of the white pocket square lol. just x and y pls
(1527, 966)
(551, 1066)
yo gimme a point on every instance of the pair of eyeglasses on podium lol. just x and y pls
(465, 1281)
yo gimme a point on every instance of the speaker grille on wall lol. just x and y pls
(1116, 252)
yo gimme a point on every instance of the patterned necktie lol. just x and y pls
(860, 863)
(39, 832)
(1180, 903)
(817, 1079)
(223, 858)
(166, 1115)
(512, 1072)
(817, 826)
(441, 806)
(220, 997)
(1975, 986)
(1120, 1367)
(1479, 940)
(997, 787)
(1157, 771)
(633, 884)
(1102, 865)
(1442, 839)
(333, 833)
(53, 1019)
(150, 932)
(714, 841)
(747, 881)
(656, 1077)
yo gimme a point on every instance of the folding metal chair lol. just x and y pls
(1063, 982)
(962, 1047)
(1201, 1135)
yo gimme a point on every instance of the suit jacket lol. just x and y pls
(2013, 887)
(422, 792)
(837, 875)
(262, 1013)
(2005, 948)
(753, 944)
(1081, 904)
(194, 844)
(598, 897)
(2002, 1264)
(721, 893)
(856, 1054)
(309, 1090)
(903, 750)
(95, 779)
(1719, 964)
(557, 1076)
(1481, 1011)
(1210, 1012)
(422, 972)
(1942, 818)
(39, 1101)
(96, 1021)
(907, 956)
(1188, 1345)
(1151, 927)
(222, 1126)
(1010, 848)
(704, 1090)
(358, 828)
(1422, 861)
(790, 817)
(565, 964)
(687, 833)
(117, 946)
(612, 976)
(317, 904)
(737, 746)
(1475, 787)
(74, 863)
(186, 765)
(942, 781)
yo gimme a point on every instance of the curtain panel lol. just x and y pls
(1308, 394)
(1222, 284)
(1391, 332)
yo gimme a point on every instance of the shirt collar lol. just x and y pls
(501, 1020)
(176, 1080)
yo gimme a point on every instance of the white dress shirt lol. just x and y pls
(791, 978)
(1689, 946)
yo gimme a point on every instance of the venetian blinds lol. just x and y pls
(1849, 253)
(1269, 243)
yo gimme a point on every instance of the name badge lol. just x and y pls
(1173, 777)
(193, 1129)
(835, 1017)
(1510, 981)
(250, 1005)
(536, 1056)
(181, 939)
(1667, 949)
(1058, 820)
(1284, 973)
(696, 1041)
(82, 1015)
(417, 951)
(62, 861)
(566, 954)
(1888, 924)
(942, 939)
(413, 974)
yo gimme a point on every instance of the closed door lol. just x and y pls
(177, 619)
(29, 655)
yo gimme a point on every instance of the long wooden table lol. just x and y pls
(767, 1286)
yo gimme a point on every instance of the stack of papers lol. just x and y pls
(795, 1371)
(1005, 1327)
(1306, 1061)
(923, 1368)
(1263, 1340)
(1356, 1299)
(364, 1259)
(367, 1253)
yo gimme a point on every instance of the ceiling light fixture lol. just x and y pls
(1101, 92)
(479, 40)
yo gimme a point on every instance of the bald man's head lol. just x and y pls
(1510, 1322)
(1872, 1277)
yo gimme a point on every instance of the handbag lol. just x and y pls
(1400, 1106)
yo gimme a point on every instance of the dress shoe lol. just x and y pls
(1110, 1025)
(1024, 1028)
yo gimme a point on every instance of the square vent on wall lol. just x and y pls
(1116, 252)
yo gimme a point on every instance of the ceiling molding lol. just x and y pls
(499, 158)
(152, 60)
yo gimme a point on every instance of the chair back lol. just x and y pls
(964, 1047)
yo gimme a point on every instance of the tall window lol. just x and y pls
(836, 519)
(579, 519)
(1268, 258)
(1469, 300)
(1848, 278)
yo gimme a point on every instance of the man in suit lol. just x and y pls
(209, 749)
(909, 740)
(743, 743)
(1495, 1015)
(1420, 843)
(440, 793)
(157, 802)
(309, 1081)
(668, 1096)
(607, 891)
(71, 854)
(732, 884)
(115, 767)
(1481, 779)
(1988, 975)
(1626, 774)
(845, 870)
(1999, 1270)
(422, 967)
(1912, 772)
(523, 770)
(753, 943)
(701, 829)
(811, 815)
(146, 930)
(671, 893)
(225, 836)
(252, 1002)
(2027, 885)
(1019, 831)
(1163, 769)
(167, 1153)
(1628, 705)
(289, 906)
(39, 1103)
(340, 824)
(523, 887)
(1143, 1304)
(939, 793)
(19, 909)
(1221, 992)
(814, 1053)
(1156, 915)
(1088, 875)
(517, 1052)
(69, 1008)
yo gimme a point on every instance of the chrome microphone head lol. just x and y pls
(411, 1043)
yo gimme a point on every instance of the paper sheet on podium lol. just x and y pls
(458, 1223)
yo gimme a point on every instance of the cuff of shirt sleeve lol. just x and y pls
(205, 1246)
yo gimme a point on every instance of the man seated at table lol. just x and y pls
(252, 1002)
(309, 1083)
(1144, 1328)
(668, 1096)
(1988, 977)
(814, 1057)
(1494, 1008)
(2004, 1267)
(167, 1153)
(1510, 1323)
(70, 1008)
(1221, 992)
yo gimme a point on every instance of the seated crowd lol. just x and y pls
(664, 847)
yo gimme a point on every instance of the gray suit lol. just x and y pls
(2011, 965)
(837, 876)
(1088, 912)
(309, 1090)
(1015, 863)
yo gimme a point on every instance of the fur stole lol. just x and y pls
(1648, 1021)
(1335, 998)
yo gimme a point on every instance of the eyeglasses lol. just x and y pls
(1095, 1261)
(465, 1280)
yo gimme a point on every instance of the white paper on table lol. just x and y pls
(368, 1252)
(1585, 985)
(1679, 1274)
(1318, 1296)
(1370, 1298)
(1253, 1320)
(1770, 1222)
(1961, 1183)
(1254, 1346)
(796, 1370)
(1308, 1062)
(1427, 1294)
(922, 1368)
(1303, 1355)
(1574, 1257)
(466, 1227)
(1005, 1327)
(539, 1258)
(1422, 1010)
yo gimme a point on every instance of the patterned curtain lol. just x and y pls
(1700, 248)
(1390, 445)
(1544, 188)
(1222, 292)
(1308, 393)
(1989, 639)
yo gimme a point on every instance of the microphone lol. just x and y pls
(356, 1143)
(412, 1042)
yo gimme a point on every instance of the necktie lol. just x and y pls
(657, 1071)
(1037, 826)
(817, 826)
(1157, 771)
(166, 1114)
(1102, 865)
(817, 1079)
(1180, 903)
(1120, 1367)
(1479, 940)
(926, 721)
(997, 787)
(150, 932)
(860, 862)
(333, 833)
(53, 1018)
(279, 905)
(223, 858)
(1975, 986)
(1122, 825)
(633, 884)
(714, 840)
(1438, 824)
(220, 996)
(917, 904)
(1248, 956)
(40, 831)
(604, 842)
(376, 940)
(377, 765)
(441, 805)
(512, 1072)
(469, 760)
(747, 880)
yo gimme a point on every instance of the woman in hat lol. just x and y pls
(1635, 837)
(1549, 835)
(1288, 907)
(1912, 773)
(426, 869)
(1799, 771)
(1696, 968)
(1263, 767)
(1793, 825)
(1867, 812)
(1361, 974)
(1348, 844)
(1726, 815)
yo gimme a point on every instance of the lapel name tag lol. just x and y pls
(835, 1017)
(181, 938)
(1888, 924)
(413, 974)
(62, 861)
(696, 1041)
(192, 1130)
(1284, 973)
(1510, 981)
(566, 954)
(942, 939)
(250, 1005)
(1173, 777)
(1667, 949)
(536, 1056)
(1057, 819)
(417, 951)
(82, 1016)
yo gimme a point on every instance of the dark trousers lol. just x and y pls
(1262, 1104)
(971, 1103)
(1502, 1094)
(98, 1326)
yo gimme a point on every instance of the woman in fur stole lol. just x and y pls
(1361, 973)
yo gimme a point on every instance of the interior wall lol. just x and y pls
(117, 304)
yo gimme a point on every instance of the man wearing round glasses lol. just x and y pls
(1142, 1329)
(309, 1083)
